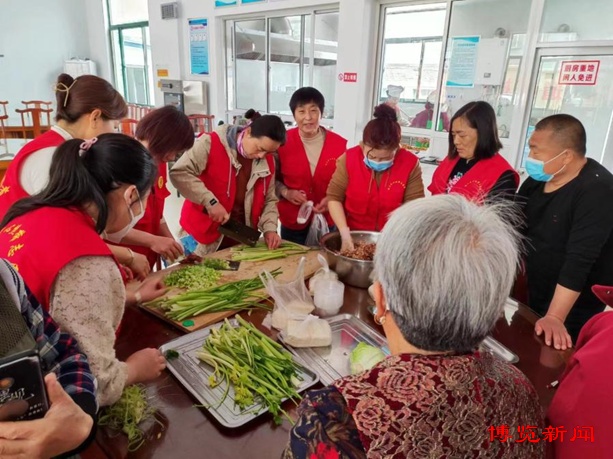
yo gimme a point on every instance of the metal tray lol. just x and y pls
(194, 375)
(332, 362)
(492, 346)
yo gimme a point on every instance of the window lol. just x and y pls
(495, 60)
(410, 59)
(268, 58)
(131, 50)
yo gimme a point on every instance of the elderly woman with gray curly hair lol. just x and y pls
(444, 267)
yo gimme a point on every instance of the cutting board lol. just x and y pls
(246, 270)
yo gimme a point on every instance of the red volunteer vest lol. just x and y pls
(40, 243)
(215, 176)
(476, 183)
(150, 223)
(367, 206)
(296, 173)
(11, 190)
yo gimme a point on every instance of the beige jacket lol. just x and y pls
(185, 176)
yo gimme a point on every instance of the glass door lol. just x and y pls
(578, 82)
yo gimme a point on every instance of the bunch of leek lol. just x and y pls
(258, 368)
(261, 252)
(127, 413)
(233, 296)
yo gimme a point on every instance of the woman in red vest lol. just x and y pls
(166, 133)
(305, 164)
(373, 178)
(473, 167)
(230, 174)
(86, 107)
(53, 240)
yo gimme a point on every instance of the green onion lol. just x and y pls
(193, 277)
(127, 413)
(261, 252)
(171, 354)
(233, 296)
(258, 368)
(215, 263)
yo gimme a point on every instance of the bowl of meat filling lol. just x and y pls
(353, 267)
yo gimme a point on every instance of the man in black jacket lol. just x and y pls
(568, 208)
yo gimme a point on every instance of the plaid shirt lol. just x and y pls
(58, 351)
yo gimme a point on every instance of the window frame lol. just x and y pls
(268, 16)
(408, 131)
(120, 30)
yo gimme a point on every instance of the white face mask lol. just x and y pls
(119, 235)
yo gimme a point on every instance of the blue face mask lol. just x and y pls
(378, 166)
(536, 169)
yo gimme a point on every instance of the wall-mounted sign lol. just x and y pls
(199, 46)
(583, 73)
(219, 3)
(246, 2)
(463, 62)
(348, 77)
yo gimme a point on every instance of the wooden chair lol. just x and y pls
(202, 123)
(3, 118)
(36, 127)
(40, 104)
(127, 126)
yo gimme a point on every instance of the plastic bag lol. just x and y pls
(292, 300)
(304, 212)
(322, 273)
(319, 228)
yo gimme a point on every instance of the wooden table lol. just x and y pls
(190, 432)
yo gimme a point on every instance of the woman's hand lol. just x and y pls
(167, 247)
(346, 239)
(219, 214)
(273, 240)
(139, 266)
(322, 207)
(145, 365)
(64, 427)
(151, 289)
(297, 197)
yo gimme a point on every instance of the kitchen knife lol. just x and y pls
(240, 232)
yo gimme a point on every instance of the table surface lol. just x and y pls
(188, 432)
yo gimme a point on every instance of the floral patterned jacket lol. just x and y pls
(417, 406)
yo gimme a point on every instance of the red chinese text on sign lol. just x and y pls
(348, 77)
(583, 73)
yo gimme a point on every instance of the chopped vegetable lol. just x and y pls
(364, 357)
(261, 252)
(258, 368)
(171, 354)
(193, 277)
(215, 263)
(233, 296)
(127, 413)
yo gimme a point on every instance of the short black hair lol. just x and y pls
(305, 96)
(480, 116)
(568, 130)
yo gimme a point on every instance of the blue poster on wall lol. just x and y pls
(225, 3)
(199, 46)
(245, 2)
(463, 62)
